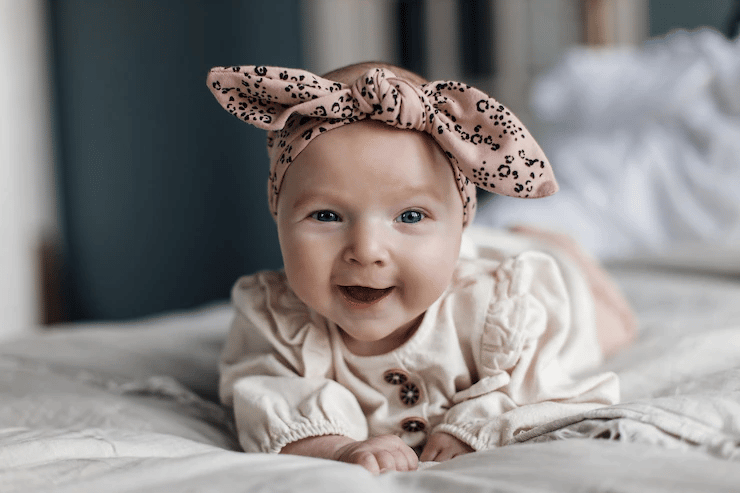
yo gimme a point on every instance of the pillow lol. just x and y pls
(644, 145)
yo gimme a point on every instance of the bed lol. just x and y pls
(132, 406)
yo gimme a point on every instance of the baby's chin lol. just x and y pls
(367, 342)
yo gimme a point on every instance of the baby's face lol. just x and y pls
(370, 223)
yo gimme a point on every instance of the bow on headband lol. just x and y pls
(486, 144)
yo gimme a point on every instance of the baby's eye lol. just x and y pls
(411, 217)
(325, 216)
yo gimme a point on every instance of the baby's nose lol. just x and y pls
(368, 245)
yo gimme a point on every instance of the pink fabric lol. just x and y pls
(486, 144)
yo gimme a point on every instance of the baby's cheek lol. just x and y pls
(302, 270)
(432, 276)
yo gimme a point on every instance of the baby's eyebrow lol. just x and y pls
(308, 197)
(333, 196)
(413, 192)
(427, 191)
(302, 200)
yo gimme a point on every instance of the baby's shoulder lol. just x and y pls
(515, 271)
(265, 301)
(262, 287)
(499, 303)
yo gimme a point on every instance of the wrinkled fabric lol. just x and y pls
(490, 360)
(68, 435)
(645, 143)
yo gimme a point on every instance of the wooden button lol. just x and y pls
(395, 377)
(410, 394)
(413, 425)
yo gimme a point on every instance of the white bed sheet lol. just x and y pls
(126, 408)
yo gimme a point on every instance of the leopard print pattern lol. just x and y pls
(486, 144)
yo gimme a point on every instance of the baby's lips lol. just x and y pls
(362, 294)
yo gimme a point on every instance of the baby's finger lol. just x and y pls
(405, 459)
(429, 453)
(368, 461)
(446, 454)
(412, 460)
(386, 460)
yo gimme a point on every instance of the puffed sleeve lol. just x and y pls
(522, 382)
(286, 393)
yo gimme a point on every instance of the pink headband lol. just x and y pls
(486, 144)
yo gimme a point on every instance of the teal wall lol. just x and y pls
(162, 192)
(668, 15)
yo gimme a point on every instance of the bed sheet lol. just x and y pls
(129, 407)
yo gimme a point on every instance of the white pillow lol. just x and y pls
(645, 144)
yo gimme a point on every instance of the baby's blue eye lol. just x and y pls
(411, 217)
(325, 216)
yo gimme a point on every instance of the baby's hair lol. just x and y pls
(350, 73)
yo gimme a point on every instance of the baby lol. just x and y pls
(390, 340)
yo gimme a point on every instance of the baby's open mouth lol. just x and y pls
(364, 295)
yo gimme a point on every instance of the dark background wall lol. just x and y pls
(668, 15)
(163, 193)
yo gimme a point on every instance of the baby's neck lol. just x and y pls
(389, 343)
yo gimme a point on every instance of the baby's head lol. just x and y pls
(370, 222)
(373, 175)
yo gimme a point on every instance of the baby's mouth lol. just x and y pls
(364, 295)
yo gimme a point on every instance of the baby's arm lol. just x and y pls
(378, 454)
(523, 382)
(616, 323)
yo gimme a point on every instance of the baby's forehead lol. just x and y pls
(372, 153)
(380, 136)
(410, 150)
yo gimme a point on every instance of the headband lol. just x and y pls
(486, 144)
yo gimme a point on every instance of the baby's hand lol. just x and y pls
(442, 446)
(377, 454)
